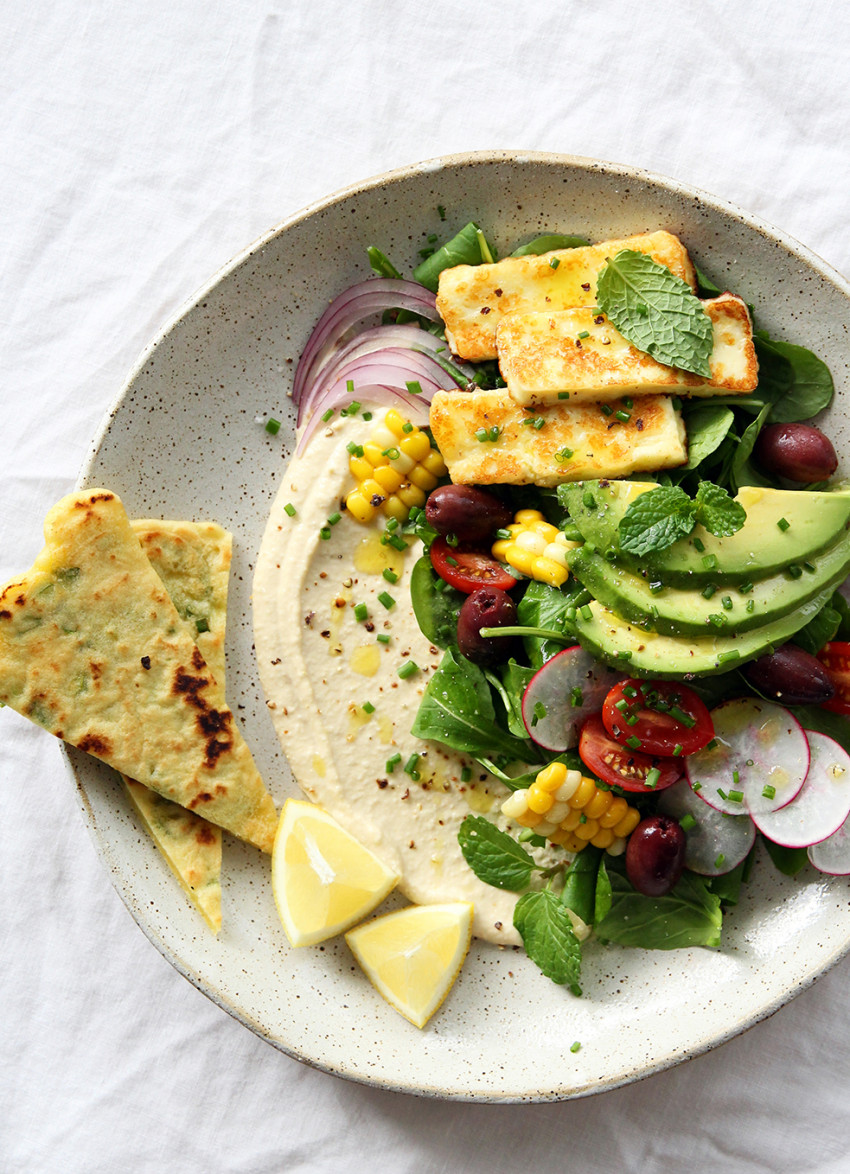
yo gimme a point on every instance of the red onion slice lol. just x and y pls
(415, 407)
(378, 338)
(353, 305)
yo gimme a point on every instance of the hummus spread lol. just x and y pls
(319, 665)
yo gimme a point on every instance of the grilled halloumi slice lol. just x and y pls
(574, 442)
(473, 299)
(543, 355)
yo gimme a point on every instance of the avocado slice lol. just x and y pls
(678, 611)
(650, 654)
(762, 547)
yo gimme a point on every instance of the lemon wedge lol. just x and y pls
(323, 879)
(412, 957)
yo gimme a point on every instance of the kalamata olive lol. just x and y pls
(488, 607)
(470, 514)
(790, 676)
(655, 855)
(799, 452)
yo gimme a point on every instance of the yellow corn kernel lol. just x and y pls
(359, 508)
(545, 530)
(530, 819)
(598, 805)
(422, 478)
(394, 507)
(617, 848)
(615, 812)
(557, 553)
(539, 800)
(389, 479)
(527, 517)
(415, 445)
(374, 454)
(360, 468)
(434, 463)
(372, 490)
(587, 830)
(533, 543)
(395, 422)
(570, 822)
(501, 548)
(627, 824)
(568, 840)
(552, 777)
(604, 838)
(515, 805)
(546, 570)
(522, 560)
(411, 495)
(584, 793)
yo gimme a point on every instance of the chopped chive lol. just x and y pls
(735, 796)
(708, 591)
(585, 612)
(656, 588)
(386, 599)
(202, 626)
(629, 691)
(607, 410)
(633, 742)
(466, 775)
(687, 822)
(696, 786)
(290, 509)
(327, 415)
(768, 791)
(710, 562)
(810, 567)
(361, 612)
(681, 716)
(538, 423)
(745, 588)
(382, 638)
(719, 862)
(583, 817)
(334, 518)
(407, 426)
(368, 707)
(564, 454)
(751, 605)
(575, 1047)
(632, 719)
(452, 540)
(622, 416)
(749, 762)
(712, 745)
(414, 387)
(699, 545)
(652, 778)
(795, 570)
(397, 542)
(410, 766)
(736, 777)
(724, 657)
(628, 402)
(622, 705)
(677, 750)
(392, 763)
(783, 524)
(584, 334)
(367, 415)
(392, 453)
(389, 575)
(409, 669)
(324, 533)
(538, 713)
(623, 655)
(505, 534)
(576, 697)
(451, 561)
(554, 262)
(356, 450)
(563, 395)
(726, 601)
(273, 425)
(481, 434)
(495, 432)
(722, 794)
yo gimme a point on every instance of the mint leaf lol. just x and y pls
(656, 311)
(716, 510)
(656, 519)
(547, 933)
(494, 856)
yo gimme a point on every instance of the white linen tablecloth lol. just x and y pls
(142, 146)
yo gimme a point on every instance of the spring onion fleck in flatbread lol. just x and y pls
(193, 561)
(93, 649)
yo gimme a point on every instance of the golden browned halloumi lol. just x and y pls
(543, 355)
(473, 299)
(575, 441)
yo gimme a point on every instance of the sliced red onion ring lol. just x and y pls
(376, 338)
(375, 374)
(415, 407)
(353, 305)
(345, 366)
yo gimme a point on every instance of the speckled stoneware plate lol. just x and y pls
(182, 441)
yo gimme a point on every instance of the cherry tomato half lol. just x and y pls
(835, 658)
(660, 714)
(620, 766)
(468, 569)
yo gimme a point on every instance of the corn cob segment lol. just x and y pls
(536, 548)
(394, 470)
(569, 809)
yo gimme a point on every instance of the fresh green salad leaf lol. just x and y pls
(604, 894)
(494, 856)
(716, 511)
(457, 709)
(579, 893)
(840, 604)
(381, 264)
(548, 936)
(544, 606)
(510, 687)
(547, 242)
(436, 609)
(707, 426)
(468, 247)
(706, 288)
(517, 782)
(656, 519)
(742, 470)
(789, 861)
(656, 311)
(820, 629)
(727, 886)
(799, 382)
(689, 915)
(834, 725)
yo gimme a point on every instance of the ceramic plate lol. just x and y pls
(182, 441)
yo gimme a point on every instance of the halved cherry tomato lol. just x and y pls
(468, 569)
(661, 715)
(620, 766)
(835, 658)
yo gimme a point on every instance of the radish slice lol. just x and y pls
(822, 805)
(760, 753)
(832, 855)
(716, 843)
(557, 722)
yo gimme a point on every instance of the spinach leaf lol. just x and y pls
(468, 247)
(436, 610)
(494, 856)
(544, 606)
(547, 242)
(706, 288)
(789, 861)
(510, 688)
(604, 894)
(834, 725)
(809, 388)
(516, 782)
(579, 892)
(689, 915)
(840, 604)
(380, 263)
(742, 471)
(457, 709)
(727, 887)
(707, 427)
(548, 936)
(819, 630)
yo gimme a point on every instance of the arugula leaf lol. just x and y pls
(544, 606)
(789, 861)
(579, 893)
(689, 915)
(717, 512)
(457, 709)
(801, 382)
(547, 242)
(550, 941)
(436, 611)
(707, 426)
(820, 629)
(656, 519)
(467, 247)
(656, 311)
(494, 856)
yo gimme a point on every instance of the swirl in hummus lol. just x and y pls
(319, 665)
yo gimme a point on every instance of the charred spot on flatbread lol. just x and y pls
(95, 744)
